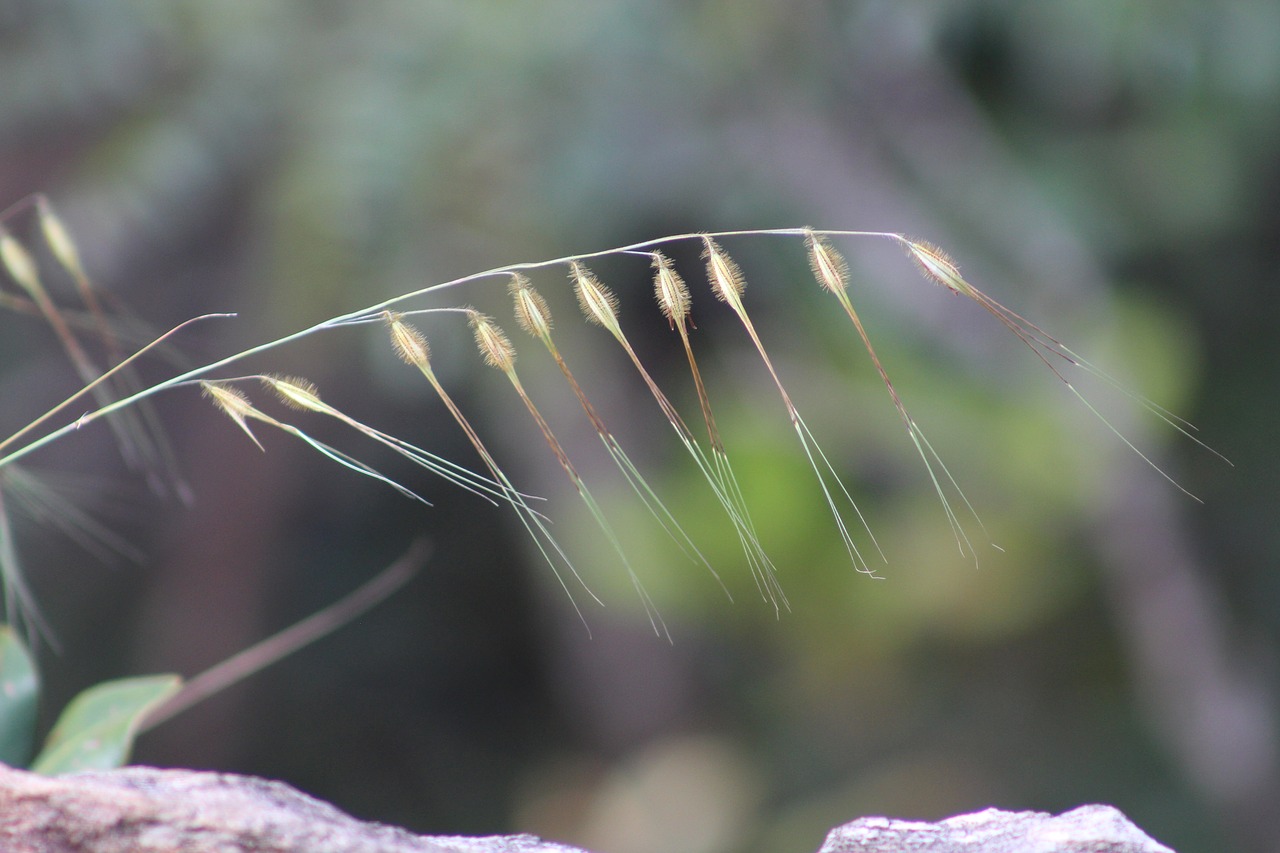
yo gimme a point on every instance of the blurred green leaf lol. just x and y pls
(96, 730)
(19, 693)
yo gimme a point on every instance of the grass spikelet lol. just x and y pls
(412, 347)
(670, 290)
(297, 393)
(597, 300)
(673, 296)
(58, 238)
(727, 282)
(535, 318)
(20, 265)
(532, 311)
(498, 353)
(303, 395)
(831, 271)
(494, 344)
(235, 404)
(939, 268)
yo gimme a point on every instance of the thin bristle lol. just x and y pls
(722, 271)
(671, 291)
(532, 312)
(828, 265)
(297, 393)
(598, 302)
(409, 343)
(494, 344)
(937, 266)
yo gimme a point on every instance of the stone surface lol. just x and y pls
(1088, 829)
(144, 810)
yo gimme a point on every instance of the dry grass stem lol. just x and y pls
(498, 353)
(412, 347)
(727, 283)
(534, 317)
(831, 270)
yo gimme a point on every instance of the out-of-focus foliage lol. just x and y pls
(1108, 170)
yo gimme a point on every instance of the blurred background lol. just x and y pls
(1109, 170)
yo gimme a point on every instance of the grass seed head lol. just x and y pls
(532, 312)
(598, 302)
(59, 239)
(19, 263)
(494, 344)
(235, 405)
(828, 265)
(722, 271)
(671, 291)
(938, 266)
(297, 393)
(409, 343)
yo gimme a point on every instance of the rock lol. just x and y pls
(1088, 829)
(145, 810)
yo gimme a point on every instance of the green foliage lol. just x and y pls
(94, 732)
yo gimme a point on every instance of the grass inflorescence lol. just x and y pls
(96, 352)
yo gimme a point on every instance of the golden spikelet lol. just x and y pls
(297, 393)
(409, 343)
(938, 266)
(59, 239)
(233, 402)
(722, 271)
(671, 291)
(18, 261)
(494, 344)
(828, 265)
(532, 312)
(598, 302)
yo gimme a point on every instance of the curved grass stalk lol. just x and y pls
(411, 346)
(499, 353)
(599, 305)
(938, 267)
(831, 271)
(727, 284)
(534, 317)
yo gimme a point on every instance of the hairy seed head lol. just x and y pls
(297, 393)
(19, 263)
(726, 279)
(598, 302)
(828, 265)
(231, 400)
(670, 289)
(494, 344)
(59, 239)
(937, 266)
(532, 312)
(409, 343)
